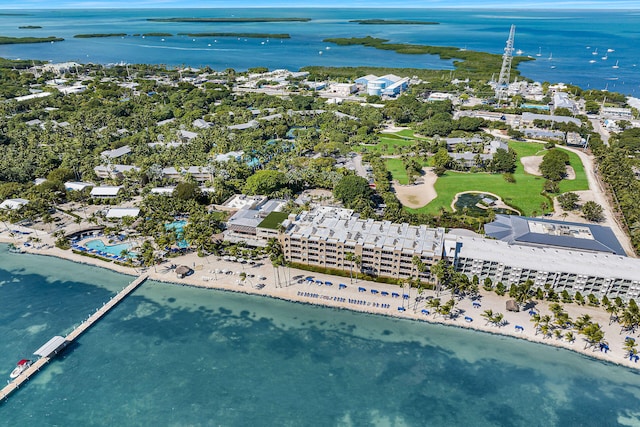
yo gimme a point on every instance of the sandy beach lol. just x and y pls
(362, 296)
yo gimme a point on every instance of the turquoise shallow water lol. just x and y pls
(172, 355)
(569, 36)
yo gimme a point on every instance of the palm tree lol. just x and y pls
(434, 305)
(569, 337)
(488, 315)
(350, 257)
(358, 261)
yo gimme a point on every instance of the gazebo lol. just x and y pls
(183, 271)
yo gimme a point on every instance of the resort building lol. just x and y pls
(325, 236)
(199, 173)
(105, 192)
(13, 204)
(113, 171)
(246, 224)
(518, 230)
(571, 270)
(528, 118)
(77, 186)
(118, 152)
(165, 191)
(117, 213)
(616, 113)
(566, 256)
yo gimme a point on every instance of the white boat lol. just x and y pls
(539, 52)
(22, 366)
(595, 52)
(616, 66)
(605, 57)
(611, 50)
(519, 52)
(593, 61)
(551, 57)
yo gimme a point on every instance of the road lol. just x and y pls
(604, 133)
(600, 196)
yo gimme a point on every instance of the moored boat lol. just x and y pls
(22, 366)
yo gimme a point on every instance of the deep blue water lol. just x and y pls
(569, 36)
(172, 355)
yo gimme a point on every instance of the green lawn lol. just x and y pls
(387, 142)
(523, 195)
(397, 170)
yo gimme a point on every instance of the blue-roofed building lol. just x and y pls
(517, 230)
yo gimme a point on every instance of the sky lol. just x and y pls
(154, 4)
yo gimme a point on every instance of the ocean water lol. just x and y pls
(568, 36)
(173, 355)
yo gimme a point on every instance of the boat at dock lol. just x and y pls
(22, 366)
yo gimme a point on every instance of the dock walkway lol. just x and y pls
(84, 326)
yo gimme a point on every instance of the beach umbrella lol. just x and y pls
(183, 270)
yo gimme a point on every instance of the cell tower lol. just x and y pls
(505, 71)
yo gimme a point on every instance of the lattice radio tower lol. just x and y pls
(505, 71)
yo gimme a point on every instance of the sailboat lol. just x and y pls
(595, 52)
(539, 52)
(616, 66)
(605, 57)
(551, 57)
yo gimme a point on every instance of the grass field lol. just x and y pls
(397, 170)
(389, 141)
(523, 195)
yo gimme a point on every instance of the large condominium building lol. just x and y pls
(325, 236)
(587, 272)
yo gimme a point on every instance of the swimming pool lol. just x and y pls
(98, 245)
(178, 226)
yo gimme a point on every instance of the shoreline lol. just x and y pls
(353, 299)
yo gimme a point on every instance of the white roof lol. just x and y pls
(162, 190)
(551, 259)
(187, 134)
(78, 186)
(122, 212)
(118, 152)
(51, 346)
(13, 204)
(105, 190)
(39, 181)
(228, 156)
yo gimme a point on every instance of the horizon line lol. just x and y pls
(495, 8)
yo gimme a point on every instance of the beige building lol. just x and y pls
(324, 236)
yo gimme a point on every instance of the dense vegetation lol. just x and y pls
(478, 65)
(26, 40)
(98, 35)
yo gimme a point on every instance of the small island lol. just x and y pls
(392, 22)
(29, 27)
(245, 35)
(156, 35)
(90, 36)
(24, 40)
(229, 20)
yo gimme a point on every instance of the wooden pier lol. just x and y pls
(91, 320)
